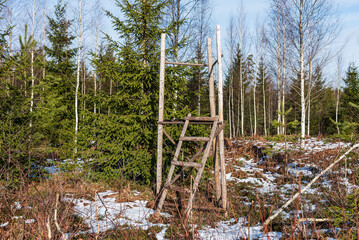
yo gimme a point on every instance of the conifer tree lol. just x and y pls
(263, 86)
(56, 110)
(350, 94)
(127, 134)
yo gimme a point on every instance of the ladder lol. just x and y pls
(217, 127)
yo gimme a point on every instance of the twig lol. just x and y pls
(309, 185)
(55, 217)
(106, 209)
(98, 225)
(48, 228)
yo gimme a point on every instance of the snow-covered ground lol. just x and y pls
(105, 212)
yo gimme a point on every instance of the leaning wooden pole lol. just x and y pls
(220, 113)
(160, 113)
(212, 104)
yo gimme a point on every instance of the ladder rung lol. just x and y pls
(187, 64)
(187, 164)
(178, 189)
(195, 139)
(203, 119)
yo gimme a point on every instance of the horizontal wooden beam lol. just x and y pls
(195, 139)
(200, 208)
(177, 188)
(203, 119)
(170, 122)
(188, 64)
(187, 164)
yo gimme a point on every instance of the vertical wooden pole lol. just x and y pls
(220, 113)
(212, 103)
(212, 99)
(160, 113)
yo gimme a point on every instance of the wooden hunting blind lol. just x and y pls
(214, 140)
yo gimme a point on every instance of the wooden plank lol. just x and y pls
(194, 158)
(219, 130)
(160, 114)
(168, 136)
(220, 114)
(188, 64)
(203, 119)
(180, 122)
(195, 139)
(177, 188)
(187, 164)
(200, 208)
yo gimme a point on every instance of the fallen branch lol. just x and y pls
(55, 217)
(309, 185)
(313, 220)
(48, 228)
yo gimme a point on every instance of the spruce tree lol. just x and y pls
(263, 92)
(55, 115)
(126, 136)
(350, 90)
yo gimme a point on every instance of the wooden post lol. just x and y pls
(212, 99)
(160, 113)
(220, 113)
(212, 103)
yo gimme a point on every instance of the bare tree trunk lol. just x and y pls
(43, 44)
(339, 63)
(283, 66)
(302, 85)
(230, 85)
(232, 109)
(11, 78)
(32, 61)
(278, 78)
(78, 76)
(242, 97)
(83, 86)
(96, 55)
(264, 104)
(255, 82)
(309, 93)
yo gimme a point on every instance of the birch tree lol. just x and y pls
(78, 74)
(242, 36)
(32, 60)
(231, 43)
(339, 76)
(309, 18)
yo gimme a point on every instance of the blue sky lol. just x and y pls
(348, 11)
(257, 9)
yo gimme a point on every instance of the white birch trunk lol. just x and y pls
(43, 45)
(339, 62)
(264, 103)
(10, 43)
(278, 78)
(309, 94)
(32, 61)
(255, 84)
(283, 68)
(96, 49)
(302, 85)
(78, 76)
